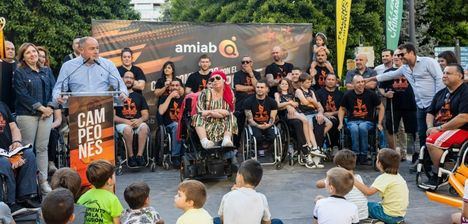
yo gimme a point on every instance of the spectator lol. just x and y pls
(76, 51)
(102, 206)
(277, 70)
(197, 81)
(130, 119)
(190, 197)
(360, 105)
(126, 56)
(22, 186)
(88, 73)
(336, 209)
(445, 58)
(8, 66)
(137, 197)
(260, 111)
(167, 76)
(330, 98)
(387, 62)
(169, 109)
(44, 58)
(70, 179)
(320, 44)
(215, 121)
(319, 68)
(363, 70)
(448, 115)
(34, 106)
(58, 206)
(347, 159)
(244, 204)
(392, 188)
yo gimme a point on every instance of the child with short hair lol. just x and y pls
(57, 207)
(346, 158)
(244, 204)
(190, 197)
(102, 206)
(137, 197)
(336, 209)
(392, 188)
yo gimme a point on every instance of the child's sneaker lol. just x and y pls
(317, 152)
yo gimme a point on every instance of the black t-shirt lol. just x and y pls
(446, 105)
(320, 76)
(330, 100)
(7, 94)
(360, 107)
(307, 109)
(160, 84)
(197, 82)
(132, 107)
(172, 112)
(403, 96)
(243, 78)
(261, 109)
(5, 120)
(278, 72)
(137, 72)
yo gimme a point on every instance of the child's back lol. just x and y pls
(101, 206)
(394, 193)
(356, 197)
(244, 205)
(335, 209)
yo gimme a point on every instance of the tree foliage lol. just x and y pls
(55, 23)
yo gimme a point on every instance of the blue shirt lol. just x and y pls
(425, 78)
(88, 78)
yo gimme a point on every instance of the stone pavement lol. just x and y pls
(290, 193)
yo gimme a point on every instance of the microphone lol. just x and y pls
(110, 73)
(73, 72)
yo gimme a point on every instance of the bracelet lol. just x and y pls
(17, 141)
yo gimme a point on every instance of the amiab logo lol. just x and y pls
(227, 48)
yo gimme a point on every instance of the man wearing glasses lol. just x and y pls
(424, 75)
(448, 115)
(245, 81)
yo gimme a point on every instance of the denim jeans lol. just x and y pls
(175, 145)
(376, 212)
(359, 130)
(422, 126)
(217, 220)
(36, 131)
(24, 183)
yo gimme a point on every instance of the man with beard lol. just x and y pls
(169, 109)
(130, 120)
(8, 66)
(277, 70)
(319, 69)
(197, 81)
(387, 61)
(363, 70)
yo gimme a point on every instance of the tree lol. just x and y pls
(55, 23)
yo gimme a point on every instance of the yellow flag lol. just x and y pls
(343, 9)
(2, 38)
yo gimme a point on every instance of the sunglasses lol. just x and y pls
(212, 79)
(401, 54)
(245, 62)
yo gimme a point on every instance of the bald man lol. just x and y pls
(363, 70)
(277, 70)
(8, 66)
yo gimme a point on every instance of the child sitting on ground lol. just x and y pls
(137, 197)
(243, 204)
(57, 207)
(336, 209)
(347, 159)
(392, 188)
(102, 206)
(190, 197)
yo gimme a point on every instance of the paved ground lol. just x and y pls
(290, 192)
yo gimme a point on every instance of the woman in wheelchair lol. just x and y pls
(287, 105)
(215, 120)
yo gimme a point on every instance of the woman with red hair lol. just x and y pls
(215, 121)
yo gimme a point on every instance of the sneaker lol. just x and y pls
(52, 167)
(45, 188)
(206, 144)
(227, 143)
(132, 161)
(309, 162)
(261, 153)
(140, 161)
(432, 181)
(317, 152)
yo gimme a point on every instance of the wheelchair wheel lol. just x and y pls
(424, 168)
(163, 146)
(285, 139)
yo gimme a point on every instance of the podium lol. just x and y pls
(91, 122)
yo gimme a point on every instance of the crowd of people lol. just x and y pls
(405, 95)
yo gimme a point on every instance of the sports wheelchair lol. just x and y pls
(198, 162)
(122, 155)
(163, 142)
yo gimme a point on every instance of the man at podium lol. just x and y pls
(88, 73)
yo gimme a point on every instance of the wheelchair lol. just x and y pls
(163, 142)
(452, 158)
(289, 143)
(198, 162)
(122, 156)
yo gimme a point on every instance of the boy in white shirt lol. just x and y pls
(336, 209)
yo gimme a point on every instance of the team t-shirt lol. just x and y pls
(335, 209)
(320, 76)
(137, 72)
(132, 106)
(403, 96)
(5, 120)
(243, 78)
(261, 109)
(278, 72)
(394, 193)
(360, 107)
(197, 82)
(244, 205)
(330, 100)
(101, 206)
(173, 110)
(446, 105)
